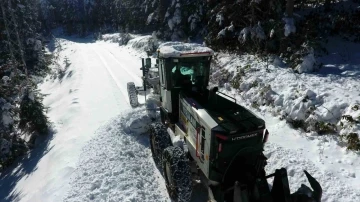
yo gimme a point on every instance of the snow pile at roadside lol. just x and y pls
(117, 165)
(145, 43)
(315, 102)
(115, 37)
(141, 43)
(138, 42)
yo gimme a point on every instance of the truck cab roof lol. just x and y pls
(182, 50)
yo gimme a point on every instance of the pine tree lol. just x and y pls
(21, 57)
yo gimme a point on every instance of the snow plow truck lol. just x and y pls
(205, 135)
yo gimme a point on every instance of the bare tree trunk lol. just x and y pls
(290, 8)
(327, 5)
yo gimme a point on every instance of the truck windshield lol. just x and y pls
(195, 72)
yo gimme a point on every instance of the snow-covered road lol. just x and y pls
(94, 156)
(92, 92)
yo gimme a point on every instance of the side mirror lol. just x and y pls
(148, 63)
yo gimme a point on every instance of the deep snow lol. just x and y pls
(98, 154)
(116, 165)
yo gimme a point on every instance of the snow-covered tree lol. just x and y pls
(21, 57)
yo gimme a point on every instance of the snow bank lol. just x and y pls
(117, 165)
(313, 102)
(177, 49)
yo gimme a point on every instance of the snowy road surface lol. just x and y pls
(93, 155)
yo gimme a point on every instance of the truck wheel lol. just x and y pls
(132, 94)
(159, 140)
(177, 174)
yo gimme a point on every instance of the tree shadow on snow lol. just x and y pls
(343, 59)
(22, 168)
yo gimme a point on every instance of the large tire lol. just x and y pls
(133, 99)
(177, 174)
(159, 140)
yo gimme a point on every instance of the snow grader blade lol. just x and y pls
(280, 191)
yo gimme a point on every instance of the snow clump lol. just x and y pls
(289, 26)
(308, 63)
(220, 19)
(137, 125)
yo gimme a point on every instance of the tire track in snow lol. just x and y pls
(134, 76)
(113, 77)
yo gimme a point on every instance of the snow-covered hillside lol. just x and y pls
(98, 154)
(317, 103)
